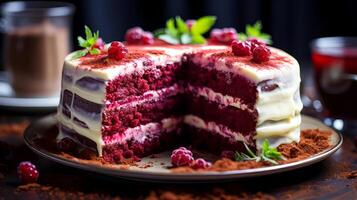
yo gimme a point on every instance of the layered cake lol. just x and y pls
(159, 96)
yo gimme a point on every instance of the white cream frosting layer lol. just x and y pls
(213, 127)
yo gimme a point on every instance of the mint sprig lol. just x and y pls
(255, 31)
(87, 43)
(177, 31)
(268, 154)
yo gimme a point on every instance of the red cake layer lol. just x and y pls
(136, 84)
(242, 121)
(211, 141)
(225, 83)
(119, 119)
(152, 144)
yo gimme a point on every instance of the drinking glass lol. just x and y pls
(335, 67)
(36, 41)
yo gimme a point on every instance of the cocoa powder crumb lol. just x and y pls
(13, 128)
(216, 193)
(312, 141)
(351, 174)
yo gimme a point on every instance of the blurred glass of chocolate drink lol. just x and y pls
(36, 41)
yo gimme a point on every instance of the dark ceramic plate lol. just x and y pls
(41, 134)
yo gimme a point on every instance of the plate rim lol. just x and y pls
(152, 176)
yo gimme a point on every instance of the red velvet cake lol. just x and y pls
(160, 96)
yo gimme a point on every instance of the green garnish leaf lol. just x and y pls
(79, 53)
(169, 39)
(87, 43)
(94, 51)
(170, 27)
(268, 154)
(160, 31)
(203, 24)
(88, 32)
(178, 32)
(198, 39)
(255, 31)
(186, 38)
(181, 25)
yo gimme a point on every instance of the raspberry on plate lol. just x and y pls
(181, 157)
(27, 172)
(200, 163)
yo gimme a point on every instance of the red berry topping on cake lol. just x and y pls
(27, 172)
(117, 50)
(181, 157)
(261, 54)
(241, 48)
(133, 35)
(147, 38)
(254, 42)
(137, 35)
(200, 163)
(224, 36)
(99, 44)
(190, 23)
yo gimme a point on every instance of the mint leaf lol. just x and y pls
(82, 42)
(177, 31)
(94, 51)
(186, 38)
(170, 27)
(268, 154)
(255, 31)
(203, 24)
(169, 39)
(159, 31)
(88, 43)
(242, 36)
(88, 32)
(181, 25)
(79, 54)
(198, 39)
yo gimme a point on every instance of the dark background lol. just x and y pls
(292, 23)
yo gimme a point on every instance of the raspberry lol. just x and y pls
(224, 36)
(182, 150)
(99, 44)
(133, 35)
(241, 48)
(254, 42)
(117, 50)
(181, 157)
(27, 172)
(200, 163)
(261, 54)
(190, 23)
(147, 38)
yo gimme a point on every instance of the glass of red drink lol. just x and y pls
(335, 65)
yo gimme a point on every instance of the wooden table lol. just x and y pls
(325, 180)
